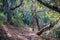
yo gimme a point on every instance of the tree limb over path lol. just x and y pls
(55, 8)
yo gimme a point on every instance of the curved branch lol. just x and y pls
(55, 8)
(17, 6)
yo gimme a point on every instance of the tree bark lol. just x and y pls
(7, 10)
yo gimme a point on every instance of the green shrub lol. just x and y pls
(2, 18)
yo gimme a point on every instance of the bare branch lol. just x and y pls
(55, 8)
(49, 26)
(17, 6)
(43, 29)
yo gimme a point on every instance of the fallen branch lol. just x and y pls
(43, 29)
(46, 28)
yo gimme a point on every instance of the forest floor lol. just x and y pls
(26, 33)
(20, 33)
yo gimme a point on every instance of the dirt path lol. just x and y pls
(19, 33)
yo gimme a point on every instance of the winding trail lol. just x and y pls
(20, 33)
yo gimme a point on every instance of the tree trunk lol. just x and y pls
(7, 11)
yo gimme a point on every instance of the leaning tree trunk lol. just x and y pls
(55, 8)
(49, 26)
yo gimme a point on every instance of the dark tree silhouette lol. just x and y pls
(17, 5)
(9, 10)
(55, 8)
(1, 8)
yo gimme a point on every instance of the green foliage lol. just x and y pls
(0, 2)
(18, 18)
(2, 18)
(53, 16)
(46, 1)
(17, 15)
(56, 32)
